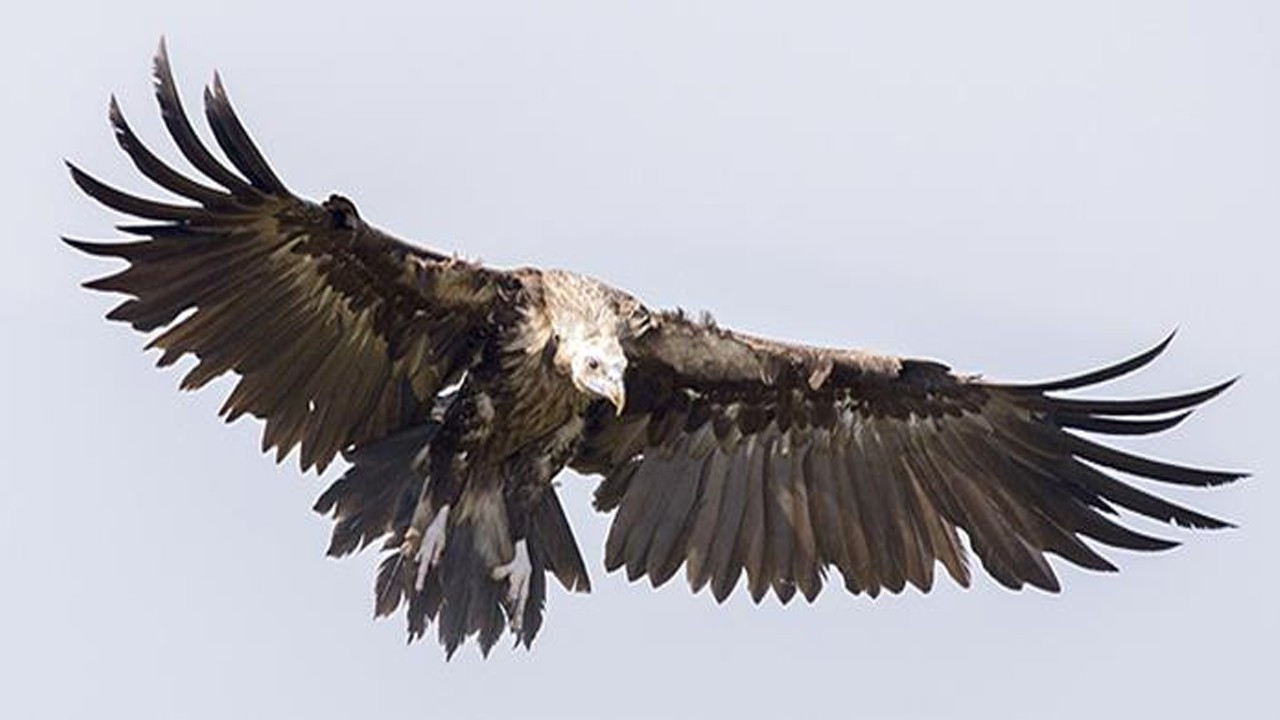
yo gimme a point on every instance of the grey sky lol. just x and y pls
(1013, 191)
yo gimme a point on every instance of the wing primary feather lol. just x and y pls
(1137, 500)
(1068, 473)
(130, 204)
(175, 119)
(163, 234)
(1093, 525)
(157, 170)
(1116, 426)
(123, 250)
(1146, 406)
(164, 292)
(171, 281)
(1101, 375)
(1146, 467)
(235, 141)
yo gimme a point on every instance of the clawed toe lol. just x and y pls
(517, 574)
(432, 547)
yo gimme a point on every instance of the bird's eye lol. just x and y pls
(593, 364)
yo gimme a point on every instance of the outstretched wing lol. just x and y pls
(740, 453)
(340, 333)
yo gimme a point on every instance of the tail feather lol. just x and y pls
(473, 600)
(461, 595)
(424, 605)
(549, 531)
(531, 622)
(382, 496)
(393, 584)
(377, 494)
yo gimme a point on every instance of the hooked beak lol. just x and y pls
(618, 396)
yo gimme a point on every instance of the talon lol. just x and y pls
(432, 547)
(517, 574)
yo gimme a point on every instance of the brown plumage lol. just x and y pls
(458, 392)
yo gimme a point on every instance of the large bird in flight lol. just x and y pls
(457, 393)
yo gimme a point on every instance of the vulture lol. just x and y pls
(455, 393)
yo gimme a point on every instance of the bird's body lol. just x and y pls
(458, 392)
(513, 423)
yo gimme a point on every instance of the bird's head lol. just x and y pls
(596, 366)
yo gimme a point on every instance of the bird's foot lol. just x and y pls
(517, 574)
(431, 549)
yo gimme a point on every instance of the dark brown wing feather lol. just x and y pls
(340, 333)
(784, 460)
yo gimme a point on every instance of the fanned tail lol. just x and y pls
(382, 496)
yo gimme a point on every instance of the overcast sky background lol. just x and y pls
(1021, 192)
